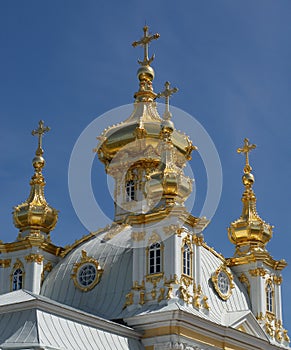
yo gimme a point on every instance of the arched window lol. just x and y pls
(17, 279)
(155, 258)
(130, 191)
(270, 297)
(186, 260)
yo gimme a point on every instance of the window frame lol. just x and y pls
(270, 293)
(130, 190)
(17, 279)
(155, 258)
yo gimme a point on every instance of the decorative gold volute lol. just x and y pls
(35, 216)
(249, 231)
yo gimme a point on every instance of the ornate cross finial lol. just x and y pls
(246, 150)
(144, 41)
(40, 131)
(167, 93)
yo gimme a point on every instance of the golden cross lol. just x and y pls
(144, 41)
(246, 150)
(40, 131)
(167, 93)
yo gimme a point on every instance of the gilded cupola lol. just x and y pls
(168, 184)
(35, 216)
(249, 233)
(145, 121)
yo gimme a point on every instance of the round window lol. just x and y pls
(87, 275)
(223, 282)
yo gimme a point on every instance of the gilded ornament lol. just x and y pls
(37, 258)
(277, 279)
(186, 280)
(138, 236)
(18, 264)
(137, 286)
(205, 303)
(5, 263)
(142, 298)
(154, 238)
(154, 278)
(285, 335)
(172, 280)
(129, 299)
(245, 281)
(162, 294)
(171, 229)
(198, 239)
(258, 272)
(169, 293)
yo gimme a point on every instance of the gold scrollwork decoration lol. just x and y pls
(38, 258)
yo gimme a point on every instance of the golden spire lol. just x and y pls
(35, 216)
(145, 73)
(249, 232)
(167, 93)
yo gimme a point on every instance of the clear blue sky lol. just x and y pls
(69, 61)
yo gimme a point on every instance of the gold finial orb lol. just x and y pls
(38, 162)
(146, 73)
(248, 179)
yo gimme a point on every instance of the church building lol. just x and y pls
(149, 280)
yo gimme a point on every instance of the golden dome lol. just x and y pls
(249, 232)
(35, 215)
(144, 122)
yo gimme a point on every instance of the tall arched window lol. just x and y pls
(270, 297)
(186, 260)
(17, 279)
(130, 191)
(155, 258)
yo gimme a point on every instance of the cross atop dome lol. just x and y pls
(247, 147)
(40, 131)
(167, 93)
(145, 41)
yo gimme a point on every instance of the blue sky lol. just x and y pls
(68, 62)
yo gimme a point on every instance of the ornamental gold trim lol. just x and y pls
(155, 278)
(37, 258)
(215, 281)
(5, 263)
(85, 259)
(138, 236)
(258, 272)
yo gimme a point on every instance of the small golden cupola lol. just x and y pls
(249, 233)
(35, 216)
(168, 185)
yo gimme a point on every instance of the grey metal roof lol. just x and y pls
(108, 297)
(36, 323)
